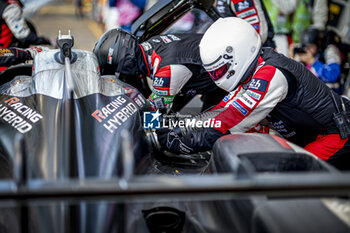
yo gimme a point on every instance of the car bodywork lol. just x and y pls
(165, 13)
(75, 158)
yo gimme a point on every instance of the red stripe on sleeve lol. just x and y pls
(163, 72)
(144, 57)
(155, 56)
(265, 73)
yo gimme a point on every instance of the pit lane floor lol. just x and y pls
(60, 15)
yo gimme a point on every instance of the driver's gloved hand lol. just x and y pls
(170, 141)
(193, 141)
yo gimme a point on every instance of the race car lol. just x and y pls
(75, 157)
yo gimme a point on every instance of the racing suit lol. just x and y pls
(12, 56)
(14, 28)
(252, 11)
(329, 70)
(296, 103)
(173, 62)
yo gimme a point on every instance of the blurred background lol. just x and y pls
(50, 16)
(87, 19)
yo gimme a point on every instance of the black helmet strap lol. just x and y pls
(251, 67)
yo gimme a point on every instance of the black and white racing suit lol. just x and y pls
(173, 62)
(252, 11)
(14, 28)
(291, 98)
(12, 56)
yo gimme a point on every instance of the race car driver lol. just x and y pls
(265, 84)
(14, 31)
(13, 56)
(172, 61)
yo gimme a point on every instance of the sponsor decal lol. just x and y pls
(279, 126)
(217, 66)
(18, 115)
(282, 129)
(166, 99)
(191, 92)
(247, 100)
(146, 46)
(220, 7)
(161, 81)
(156, 40)
(166, 39)
(227, 97)
(289, 135)
(5, 53)
(160, 92)
(246, 13)
(174, 38)
(139, 100)
(154, 120)
(243, 5)
(240, 108)
(108, 80)
(110, 56)
(258, 84)
(252, 20)
(253, 94)
(256, 26)
(115, 113)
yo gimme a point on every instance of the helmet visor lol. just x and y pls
(219, 72)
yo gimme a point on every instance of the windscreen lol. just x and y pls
(49, 78)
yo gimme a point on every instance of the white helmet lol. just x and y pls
(229, 50)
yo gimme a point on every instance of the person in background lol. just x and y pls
(14, 30)
(324, 63)
(79, 9)
(126, 11)
(291, 17)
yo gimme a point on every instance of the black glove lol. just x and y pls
(200, 139)
(170, 140)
